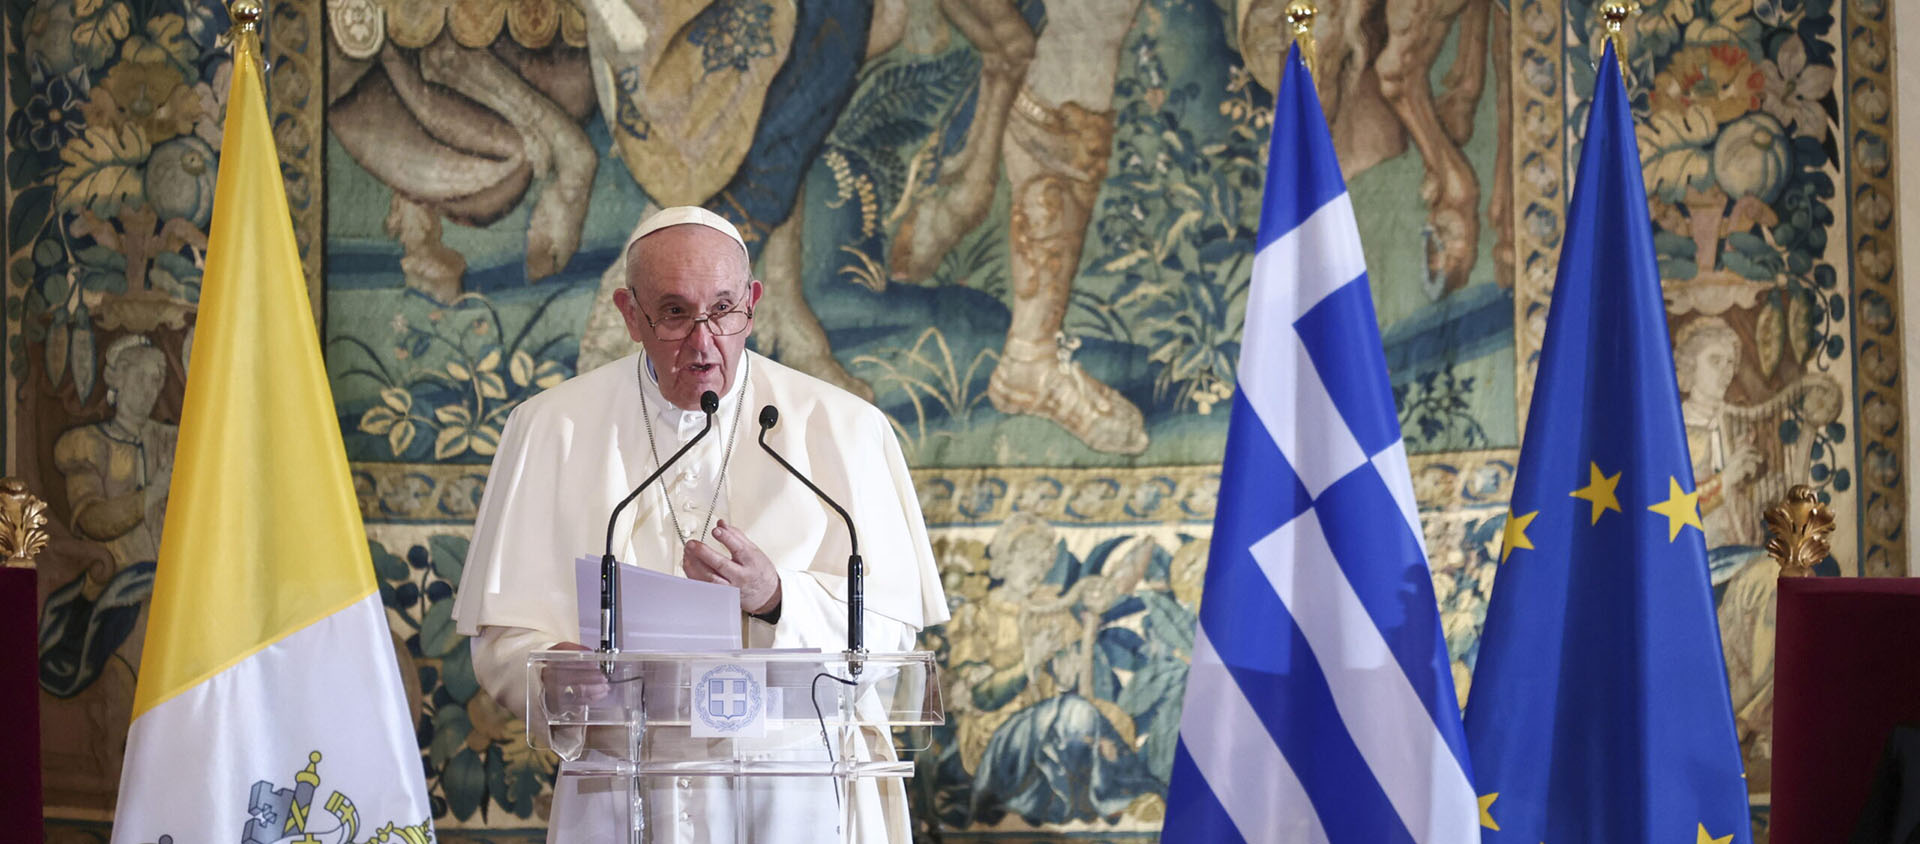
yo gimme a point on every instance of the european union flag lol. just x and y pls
(1320, 707)
(1599, 709)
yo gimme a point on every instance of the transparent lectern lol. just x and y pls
(738, 746)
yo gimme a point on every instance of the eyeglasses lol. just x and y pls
(719, 324)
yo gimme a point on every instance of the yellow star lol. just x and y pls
(1486, 817)
(1704, 838)
(1680, 508)
(1515, 535)
(1599, 492)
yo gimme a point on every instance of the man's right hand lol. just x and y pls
(572, 685)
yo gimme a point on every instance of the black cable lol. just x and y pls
(818, 716)
(815, 695)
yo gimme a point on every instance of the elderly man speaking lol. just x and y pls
(726, 513)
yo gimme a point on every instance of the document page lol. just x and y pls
(661, 612)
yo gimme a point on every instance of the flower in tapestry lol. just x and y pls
(732, 33)
(51, 117)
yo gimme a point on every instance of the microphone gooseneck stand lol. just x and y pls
(609, 568)
(856, 577)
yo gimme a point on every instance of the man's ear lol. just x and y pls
(629, 307)
(753, 292)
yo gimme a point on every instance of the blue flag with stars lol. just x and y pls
(1599, 708)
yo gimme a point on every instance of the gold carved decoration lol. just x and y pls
(23, 522)
(1614, 15)
(1800, 526)
(1300, 14)
(246, 15)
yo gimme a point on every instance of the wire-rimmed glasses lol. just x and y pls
(719, 323)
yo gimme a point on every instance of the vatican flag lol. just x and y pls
(269, 706)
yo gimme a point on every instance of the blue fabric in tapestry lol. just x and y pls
(806, 97)
(1599, 709)
(1320, 705)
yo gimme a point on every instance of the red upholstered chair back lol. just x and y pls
(19, 704)
(1846, 670)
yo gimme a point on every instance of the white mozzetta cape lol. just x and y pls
(569, 454)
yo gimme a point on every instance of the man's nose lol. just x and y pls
(701, 333)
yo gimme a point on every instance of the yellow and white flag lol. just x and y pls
(269, 706)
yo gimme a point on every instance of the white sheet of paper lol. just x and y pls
(661, 612)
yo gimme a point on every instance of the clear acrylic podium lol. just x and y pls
(664, 745)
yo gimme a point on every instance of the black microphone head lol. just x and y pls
(769, 416)
(709, 401)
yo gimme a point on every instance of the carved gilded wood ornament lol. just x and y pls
(1800, 526)
(23, 521)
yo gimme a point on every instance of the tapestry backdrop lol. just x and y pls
(1024, 230)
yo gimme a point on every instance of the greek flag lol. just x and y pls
(1320, 706)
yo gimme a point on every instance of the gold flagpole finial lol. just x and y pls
(249, 18)
(246, 16)
(1615, 14)
(1300, 14)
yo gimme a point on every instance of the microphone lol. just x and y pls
(856, 636)
(609, 569)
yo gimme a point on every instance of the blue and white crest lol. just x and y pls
(729, 700)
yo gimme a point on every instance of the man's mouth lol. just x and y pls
(702, 368)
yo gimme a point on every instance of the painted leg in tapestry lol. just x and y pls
(1059, 138)
(1351, 34)
(1466, 78)
(1460, 98)
(429, 265)
(789, 330)
(964, 194)
(1417, 29)
(1500, 210)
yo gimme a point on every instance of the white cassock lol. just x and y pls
(569, 454)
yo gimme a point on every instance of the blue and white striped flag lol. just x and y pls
(1320, 706)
